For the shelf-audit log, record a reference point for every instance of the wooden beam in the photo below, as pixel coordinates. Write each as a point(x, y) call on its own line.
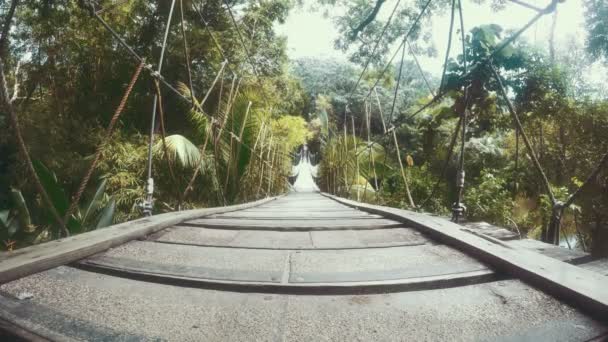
point(579, 287)
point(33, 259)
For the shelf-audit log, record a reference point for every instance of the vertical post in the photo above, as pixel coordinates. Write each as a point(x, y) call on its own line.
point(149, 200)
point(403, 175)
point(458, 208)
point(352, 119)
point(345, 155)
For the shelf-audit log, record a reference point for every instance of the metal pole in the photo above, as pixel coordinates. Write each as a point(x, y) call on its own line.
point(149, 200)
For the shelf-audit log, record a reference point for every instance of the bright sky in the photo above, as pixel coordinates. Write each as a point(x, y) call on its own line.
point(310, 34)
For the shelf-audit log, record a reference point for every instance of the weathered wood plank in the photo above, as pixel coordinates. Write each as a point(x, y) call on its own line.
point(304, 215)
point(600, 266)
point(491, 230)
point(573, 256)
point(29, 260)
point(580, 287)
point(288, 224)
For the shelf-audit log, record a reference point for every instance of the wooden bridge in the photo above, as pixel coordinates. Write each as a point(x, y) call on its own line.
point(304, 266)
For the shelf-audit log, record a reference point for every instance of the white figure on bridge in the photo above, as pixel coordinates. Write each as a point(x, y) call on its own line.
point(305, 173)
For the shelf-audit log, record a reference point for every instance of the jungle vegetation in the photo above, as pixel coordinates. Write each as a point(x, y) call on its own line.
point(67, 75)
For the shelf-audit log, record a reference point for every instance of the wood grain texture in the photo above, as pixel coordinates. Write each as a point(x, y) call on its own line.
point(29, 260)
point(580, 287)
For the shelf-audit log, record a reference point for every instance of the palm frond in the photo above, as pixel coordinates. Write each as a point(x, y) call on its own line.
point(180, 150)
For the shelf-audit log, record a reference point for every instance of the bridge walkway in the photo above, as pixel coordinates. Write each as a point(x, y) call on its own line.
point(299, 267)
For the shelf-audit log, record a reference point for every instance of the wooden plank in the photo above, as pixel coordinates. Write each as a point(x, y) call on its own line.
point(29, 260)
point(287, 224)
point(291, 240)
point(491, 230)
point(280, 215)
point(574, 257)
point(600, 266)
point(580, 287)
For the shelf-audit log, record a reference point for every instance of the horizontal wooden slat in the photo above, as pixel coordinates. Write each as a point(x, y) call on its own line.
point(287, 224)
point(580, 287)
point(25, 261)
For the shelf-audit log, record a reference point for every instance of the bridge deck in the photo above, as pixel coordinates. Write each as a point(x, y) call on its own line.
point(301, 267)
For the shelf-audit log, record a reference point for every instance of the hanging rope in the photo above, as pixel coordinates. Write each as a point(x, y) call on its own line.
point(7, 103)
point(426, 81)
point(238, 152)
point(370, 148)
point(198, 166)
point(373, 53)
point(380, 111)
point(402, 169)
point(163, 135)
point(356, 178)
point(458, 208)
point(242, 41)
point(445, 163)
point(550, 8)
point(102, 144)
point(148, 202)
point(407, 35)
point(390, 117)
point(447, 52)
point(552, 234)
point(186, 54)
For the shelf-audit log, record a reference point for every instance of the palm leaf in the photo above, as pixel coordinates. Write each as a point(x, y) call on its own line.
point(95, 202)
point(180, 150)
point(107, 214)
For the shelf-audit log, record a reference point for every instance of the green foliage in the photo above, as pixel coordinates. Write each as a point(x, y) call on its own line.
point(490, 200)
point(597, 27)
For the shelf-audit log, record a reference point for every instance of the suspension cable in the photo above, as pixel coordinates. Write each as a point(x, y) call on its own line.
point(5, 99)
point(377, 43)
point(102, 144)
point(390, 117)
point(447, 52)
point(186, 54)
point(238, 31)
point(426, 81)
point(459, 209)
point(484, 62)
point(148, 201)
point(407, 35)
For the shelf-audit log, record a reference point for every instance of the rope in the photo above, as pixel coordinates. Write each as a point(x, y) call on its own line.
point(111, 7)
point(447, 52)
point(356, 178)
point(388, 21)
point(390, 117)
point(519, 126)
point(100, 147)
point(407, 186)
point(497, 50)
point(369, 146)
point(458, 209)
point(242, 41)
point(147, 205)
point(198, 167)
point(426, 81)
point(445, 163)
point(186, 54)
point(5, 100)
point(6, 28)
point(409, 32)
point(588, 181)
point(527, 5)
point(163, 134)
point(8, 105)
point(380, 110)
point(240, 137)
